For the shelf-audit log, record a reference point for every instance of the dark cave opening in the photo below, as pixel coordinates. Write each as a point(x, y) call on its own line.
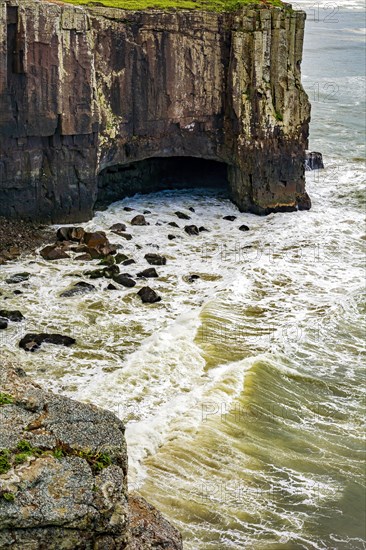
point(156, 174)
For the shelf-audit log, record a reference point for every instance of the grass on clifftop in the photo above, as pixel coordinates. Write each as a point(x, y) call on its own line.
point(205, 5)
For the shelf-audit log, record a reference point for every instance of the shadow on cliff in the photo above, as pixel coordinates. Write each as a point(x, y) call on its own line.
point(157, 174)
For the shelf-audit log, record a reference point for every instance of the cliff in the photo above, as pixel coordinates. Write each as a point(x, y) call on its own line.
point(88, 93)
point(63, 476)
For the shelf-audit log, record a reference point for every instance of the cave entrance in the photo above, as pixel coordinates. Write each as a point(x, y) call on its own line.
point(156, 174)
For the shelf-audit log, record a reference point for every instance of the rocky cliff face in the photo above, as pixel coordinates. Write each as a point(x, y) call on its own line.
point(63, 476)
point(85, 94)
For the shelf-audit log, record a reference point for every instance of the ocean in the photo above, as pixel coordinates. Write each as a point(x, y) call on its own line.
point(243, 391)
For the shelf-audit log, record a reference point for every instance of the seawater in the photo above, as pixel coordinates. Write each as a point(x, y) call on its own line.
point(243, 392)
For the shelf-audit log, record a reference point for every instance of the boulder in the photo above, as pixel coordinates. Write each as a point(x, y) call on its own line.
point(97, 239)
point(111, 287)
point(173, 224)
point(139, 220)
point(3, 324)
point(119, 258)
point(70, 234)
point(191, 278)
point(78, 288)
point(155, 259)
point(31, 342)
point(126, 236)
point(129, 262)
point(148, 295)
point(243, 228)
point(229, 218)
point(83, 258)
point(202, 229)
point(53, 252)
point(172, 237)
point(148, 273)
point(147, 212)
point(123, 280)
point(304, 202)
point(12, 315)
point(17, 278)
point(191, 230)
point(118, 227)
point(182, 216)
point(191, 209)
point(128, 209)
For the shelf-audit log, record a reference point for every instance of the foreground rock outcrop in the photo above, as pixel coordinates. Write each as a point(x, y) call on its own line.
point(63, 476)
point(98, 103)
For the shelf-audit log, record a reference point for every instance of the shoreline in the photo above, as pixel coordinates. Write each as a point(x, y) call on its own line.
point(19, 237)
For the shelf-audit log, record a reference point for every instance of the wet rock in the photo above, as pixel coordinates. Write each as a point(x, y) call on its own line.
point(126, 236)
point(202, 229)
point(108, 272)
point(191, 278)
point(173, 224)
point(118, 228)
point(182, 216)
point(83, 258)
point(12, 315)
point(18, 278)
point(313, 161)
point(149, 529)
point(70, 234)
point(78, 288)
point(17, 292)
point(172, 237)
point(119, 258)
point(124, 281)
point(147, 212)
point(111, 287)
point(97, 239)
point(148, 273)
point(108, 260)
point(191, 209)
point(53, 252)
point(229, 218)
point(139, 220)
point(128, 209)
point(3, 324)
point(155, 259)
point(148, 295)
point(31, 342)
point(304, 202)
point(79, 248)
point(191, 230)
point(243, 228)
point(129, 262)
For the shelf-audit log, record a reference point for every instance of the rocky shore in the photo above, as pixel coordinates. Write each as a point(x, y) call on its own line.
point(63, 476)
point(19, 236)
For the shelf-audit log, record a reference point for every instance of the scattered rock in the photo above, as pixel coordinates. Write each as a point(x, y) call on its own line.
point(139, 220)
point(173, 224)
point(15, 316)
point(83, 258)
point(97, 239)
point(17, 292)
point(229, 218)
point(129, 262)
point(182, 216)
point(202, 229)
point(70, 234)
point(148, 273)
point(118, 228)
point(126, 236)
point(18, 278)
point(108, 272)
point(191, 209)
point(53, 252)
point(119, 258)
point(191, 278)
point(108, 260)
point(124, 281)
point(172, 237)
point(3, 324)
point(128, 209)
point(78, 288)
point(243, 228)
point(31, 342)
point(147, 212)
point(148, 295)
point(155, 259)
point(111, 287)
point(191, 230)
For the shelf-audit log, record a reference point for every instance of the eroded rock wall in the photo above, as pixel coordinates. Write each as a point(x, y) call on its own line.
point(82, 90)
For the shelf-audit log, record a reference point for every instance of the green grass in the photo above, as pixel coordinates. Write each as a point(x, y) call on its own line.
point(205, 5)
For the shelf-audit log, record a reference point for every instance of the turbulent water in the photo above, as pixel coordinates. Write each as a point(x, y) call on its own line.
point(243, 390)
